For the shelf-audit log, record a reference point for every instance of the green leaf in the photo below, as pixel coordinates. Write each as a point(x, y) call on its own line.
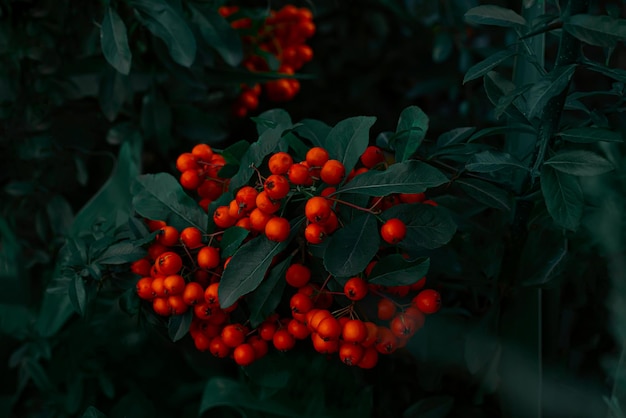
point(427, 227)
point(563, 196)
point(348, 139)
point(514, 96)
point(406, 177)
point(231, 240)
point(168, 23)
point(120, 253)
point(604, 31)
point(114, 41)
point(496, 86)
point(486, 193)
point(352, 247)
point(178, 325)
point(433, 407)
point(113, 91)
point(454, 136)
point(268, 295)
point(394, 270)
point(78, 294)
point(547, 88)
point(277, 122)
point(590, 135)
point(499, 130)
point(218, 33)
point(483, 67)
point(313, 130)
point(442, 47)
point(223, 391)
point(93, 412)
point(494, 16)
point(156, 120)
point(410, 132)
point(580, 163)
point(161, 197)
point(249, 265)
point(489, 161)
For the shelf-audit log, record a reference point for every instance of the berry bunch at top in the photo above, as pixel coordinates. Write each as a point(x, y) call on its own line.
point(277, 44)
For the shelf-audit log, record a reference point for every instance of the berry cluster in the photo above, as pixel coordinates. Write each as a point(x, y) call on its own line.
point(183, 269)
point(281, 36)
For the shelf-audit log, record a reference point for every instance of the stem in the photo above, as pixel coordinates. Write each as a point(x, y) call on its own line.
point(352, 205)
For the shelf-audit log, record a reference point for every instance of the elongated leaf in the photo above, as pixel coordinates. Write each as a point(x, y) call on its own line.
point(231, 240)
point(348, 139)
point(543, 257)
point(405, 177)
point(275, 124)
point(267, 296)
point(161, 197)
point(167, 23)
point(178, 325)
point(114, 41)
point(410, 132)
point(352, 247)
point(590, 135)
point(113, 91)
point(313, 130)
point(489, 161)
point(249, 265)
point(93, 412)
point(223, 391)
point(486, 193)
point(499, 130)
point(495, 16)
point(156, 120)
point(78, 294)
point(428, 227)
point(496, 86)
point(394, 270)
point(120, 253)
point(483, 67)
point(580, 163)
point(454, 136)
point(508, 99)
point(218, 33)
point(603, 31)
point(547, 88)
point(433, 407)
point(563, 196)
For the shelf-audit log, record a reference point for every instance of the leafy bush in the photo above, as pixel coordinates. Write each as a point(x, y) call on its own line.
point(510, 119)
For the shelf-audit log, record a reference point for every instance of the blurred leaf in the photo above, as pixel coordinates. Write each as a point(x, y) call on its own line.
point(604, 31)
point(223, 391)
point(313, 130)
point(352, 247)
point(563, 196)
point(433, 407)
point(120, 253)
point(129, 302)
point(274, 371)
point(113, 91)
point(197, 125)
point(580, 163)
point(543, 257)
point(267, 296)
point(486, 193)
point(93, 412)
point(495, 16)
point(36, 373)
point(348, 139)
point(167, 23)
point(483, 67)
point(428, 226)
point(481, 341)
point(614, 73)
point(394, 270)
point(499, 130)
point(114, 41)
point(547, 88)
point(490, 161)
point(78, 294)
point(161, 197)
point(114, 196)
point(249, 265)
point(406, 177)
point(277, 122)
point(178, 325)
point(231, 240)
point(410, 132)
point(156, 120)
point(218, 33)
point(442, 47)
point(590, 135)
point(454, 136)
point(15, 319)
